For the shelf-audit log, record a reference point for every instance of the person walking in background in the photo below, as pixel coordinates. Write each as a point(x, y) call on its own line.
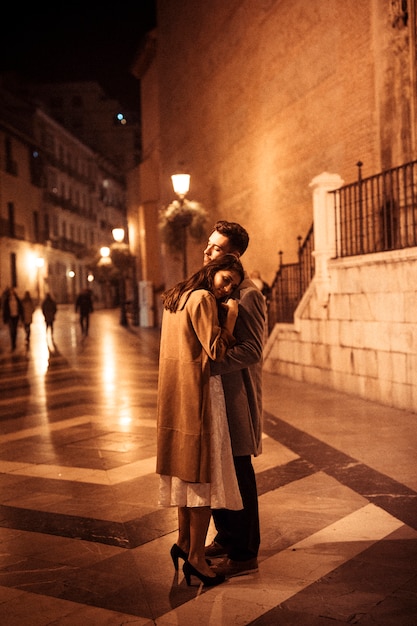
point(49, 309)
point(257, 279)
point(27, 316)
point(84, 304)
point(238, 532)
point(12, 313)
point(194, 456)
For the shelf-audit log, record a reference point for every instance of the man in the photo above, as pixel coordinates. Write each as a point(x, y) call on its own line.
point(12, 313)
point(84, 305)
point(238, 533)
point(49, 309)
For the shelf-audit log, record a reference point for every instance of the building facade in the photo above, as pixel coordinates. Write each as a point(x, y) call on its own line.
point(59, 201)
point(255, 98)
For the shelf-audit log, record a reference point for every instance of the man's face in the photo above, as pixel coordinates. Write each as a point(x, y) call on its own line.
point(217, 246)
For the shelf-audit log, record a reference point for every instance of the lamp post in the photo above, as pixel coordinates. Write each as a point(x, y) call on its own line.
point(118, 236)
point(71, 276)
point(105, 262)
point(181, 186)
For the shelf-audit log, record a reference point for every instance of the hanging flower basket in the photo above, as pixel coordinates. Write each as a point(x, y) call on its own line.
point(177, 216)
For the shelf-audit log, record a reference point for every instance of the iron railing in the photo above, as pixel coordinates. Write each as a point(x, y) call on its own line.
point(290, 283)
point(374, 214)
point(378, 213)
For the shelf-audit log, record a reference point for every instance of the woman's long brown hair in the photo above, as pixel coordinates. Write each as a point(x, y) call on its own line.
point(202, 279)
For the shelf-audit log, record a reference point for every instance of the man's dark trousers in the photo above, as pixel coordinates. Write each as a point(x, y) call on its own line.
point(238, 531)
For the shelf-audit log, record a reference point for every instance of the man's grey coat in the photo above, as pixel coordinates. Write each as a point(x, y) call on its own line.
point(241, 372)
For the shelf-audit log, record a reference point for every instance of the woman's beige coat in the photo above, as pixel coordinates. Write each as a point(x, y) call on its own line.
point(189, 339)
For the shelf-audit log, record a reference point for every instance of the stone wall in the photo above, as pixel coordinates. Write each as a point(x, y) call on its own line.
point(355, 328)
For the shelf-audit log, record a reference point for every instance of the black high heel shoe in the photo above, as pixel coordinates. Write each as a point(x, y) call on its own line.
point(208, 581)
point(177, 553)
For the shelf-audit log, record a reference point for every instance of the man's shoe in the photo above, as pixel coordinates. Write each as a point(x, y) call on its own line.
point(230, 568)
point(215, 550)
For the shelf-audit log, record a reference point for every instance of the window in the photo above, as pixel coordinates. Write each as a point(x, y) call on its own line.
point(11, 219)
point(35, 167)
point(11, 166)
point(55, 226)
point(36, 225)
point(13, 269)
point(46, 226)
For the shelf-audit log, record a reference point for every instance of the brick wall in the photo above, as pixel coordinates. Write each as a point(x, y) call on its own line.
point(257, 96)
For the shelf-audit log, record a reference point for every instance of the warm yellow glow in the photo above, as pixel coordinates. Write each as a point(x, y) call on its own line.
point(181, 184)
point(105, 251)
point(133, 235)
point(125, 420)
point(40, 262)
point(90, 278)
point(40, 359)
point(118, 234)
point(71, 273)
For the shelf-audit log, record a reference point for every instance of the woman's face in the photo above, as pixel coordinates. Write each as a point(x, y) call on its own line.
point(225, 282)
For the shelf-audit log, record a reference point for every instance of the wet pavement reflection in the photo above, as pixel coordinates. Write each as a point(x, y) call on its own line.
point(83, 540)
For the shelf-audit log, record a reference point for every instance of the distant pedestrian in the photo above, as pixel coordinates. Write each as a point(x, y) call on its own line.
point(12, 313)
point(49, 309)
point(84, 304)
point(263, 286)
point(28, 310)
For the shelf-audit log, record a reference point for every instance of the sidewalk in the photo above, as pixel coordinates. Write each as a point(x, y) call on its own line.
point(84, 542)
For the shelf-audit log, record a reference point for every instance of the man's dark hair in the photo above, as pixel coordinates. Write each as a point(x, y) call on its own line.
point(238, 237)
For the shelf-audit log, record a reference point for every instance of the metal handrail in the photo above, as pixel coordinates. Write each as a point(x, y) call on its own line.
point(373, 214)
point(290, 283)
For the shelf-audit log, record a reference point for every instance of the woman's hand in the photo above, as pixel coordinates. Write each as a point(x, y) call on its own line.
point(232, 308)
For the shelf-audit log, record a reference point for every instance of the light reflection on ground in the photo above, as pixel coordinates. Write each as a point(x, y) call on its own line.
point(96, 368)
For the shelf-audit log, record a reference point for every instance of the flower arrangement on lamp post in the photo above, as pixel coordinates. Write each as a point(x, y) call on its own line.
point(178, 220)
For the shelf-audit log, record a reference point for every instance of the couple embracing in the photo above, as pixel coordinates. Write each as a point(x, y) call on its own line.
point(210, 410)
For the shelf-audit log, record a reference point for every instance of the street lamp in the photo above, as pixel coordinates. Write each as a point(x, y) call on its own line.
point(105, 255)
point(125, 263)
point(181, 186)
point(118, 236)
point(71, 275)
point(105, 263)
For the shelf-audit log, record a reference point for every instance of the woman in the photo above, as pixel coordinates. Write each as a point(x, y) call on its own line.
point(193, 444)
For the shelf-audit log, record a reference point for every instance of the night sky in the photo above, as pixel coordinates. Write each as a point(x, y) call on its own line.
point(77, 41)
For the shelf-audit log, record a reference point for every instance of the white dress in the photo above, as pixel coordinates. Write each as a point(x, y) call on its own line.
point(223, 491)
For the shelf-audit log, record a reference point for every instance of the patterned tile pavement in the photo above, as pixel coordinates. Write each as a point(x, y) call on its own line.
point(82, 540)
